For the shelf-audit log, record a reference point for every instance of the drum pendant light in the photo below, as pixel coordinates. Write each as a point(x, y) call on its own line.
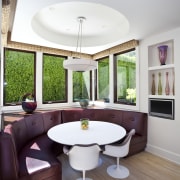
point(77, 63)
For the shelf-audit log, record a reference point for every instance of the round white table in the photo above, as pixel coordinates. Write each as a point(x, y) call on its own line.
point(98, 132)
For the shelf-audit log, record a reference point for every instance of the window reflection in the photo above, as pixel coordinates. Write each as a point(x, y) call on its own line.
point(82, 85)
point(125, 78)
point(103, 80)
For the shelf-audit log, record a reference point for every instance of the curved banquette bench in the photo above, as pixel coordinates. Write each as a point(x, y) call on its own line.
point(27, 153)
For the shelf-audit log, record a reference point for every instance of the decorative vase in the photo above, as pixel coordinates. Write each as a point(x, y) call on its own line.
point(162, 54)
point(173, 88)
point(159, 85)
point(153, 88)
point(84, 103)
point(29, 104)
point(84, 123)
point(167, 88)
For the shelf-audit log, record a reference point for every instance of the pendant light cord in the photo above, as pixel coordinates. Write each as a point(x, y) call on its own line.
point(79, 39)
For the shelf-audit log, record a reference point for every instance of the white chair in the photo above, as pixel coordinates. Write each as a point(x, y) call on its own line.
point(84, 158)
point(119, 151)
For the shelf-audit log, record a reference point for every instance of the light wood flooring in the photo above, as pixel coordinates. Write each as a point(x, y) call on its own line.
point(142, 166)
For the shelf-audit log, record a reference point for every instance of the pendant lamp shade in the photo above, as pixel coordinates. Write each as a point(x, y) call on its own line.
point(80, 64)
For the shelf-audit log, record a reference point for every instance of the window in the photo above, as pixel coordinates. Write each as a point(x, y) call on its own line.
point(102, 92)
point(82, 85)
point(125, 78)
point(19, 75)
point(54, 79)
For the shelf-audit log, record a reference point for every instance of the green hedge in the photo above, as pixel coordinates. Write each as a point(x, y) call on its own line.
point(18, 75)
point(54, 78)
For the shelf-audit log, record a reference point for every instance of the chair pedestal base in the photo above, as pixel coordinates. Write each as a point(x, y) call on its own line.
point(84, 179)
point(118, 172)
point(100, 162)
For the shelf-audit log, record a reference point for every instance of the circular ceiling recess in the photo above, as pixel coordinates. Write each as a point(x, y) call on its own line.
point(58, 24)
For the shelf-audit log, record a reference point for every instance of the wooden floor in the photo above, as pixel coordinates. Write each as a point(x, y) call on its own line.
point(142, 166)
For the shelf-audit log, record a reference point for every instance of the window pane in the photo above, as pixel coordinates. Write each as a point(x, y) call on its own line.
point(54, 79)
point(103, 79)
point(19, 75)
point(81, 85)
point(125, 78)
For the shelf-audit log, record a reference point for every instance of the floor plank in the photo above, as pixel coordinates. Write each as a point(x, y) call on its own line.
point(142, 166)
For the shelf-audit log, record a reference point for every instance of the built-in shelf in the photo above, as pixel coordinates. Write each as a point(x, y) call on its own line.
point(161, 73)
point(168, 66)
point(162, 96)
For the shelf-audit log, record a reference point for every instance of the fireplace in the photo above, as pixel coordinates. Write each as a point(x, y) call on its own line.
point(163, 108)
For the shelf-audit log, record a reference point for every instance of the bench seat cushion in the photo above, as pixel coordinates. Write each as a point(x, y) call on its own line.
point(51, 173)
point(39, 154)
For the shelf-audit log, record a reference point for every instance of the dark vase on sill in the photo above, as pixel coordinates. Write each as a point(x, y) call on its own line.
point(84, 103)
point(29, 104)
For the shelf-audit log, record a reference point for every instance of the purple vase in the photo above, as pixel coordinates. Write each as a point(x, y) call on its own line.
point(29, 107)
point(162, 54)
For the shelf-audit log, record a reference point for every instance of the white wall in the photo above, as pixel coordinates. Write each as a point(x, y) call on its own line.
point(163, 134)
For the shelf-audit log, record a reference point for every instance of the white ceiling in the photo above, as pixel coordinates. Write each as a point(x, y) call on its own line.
point(53, 23)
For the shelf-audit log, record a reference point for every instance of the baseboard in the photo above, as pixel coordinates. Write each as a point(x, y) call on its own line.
point(171, 156)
